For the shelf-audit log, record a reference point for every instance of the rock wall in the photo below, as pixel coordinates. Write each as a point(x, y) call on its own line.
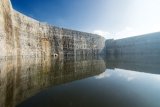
point(81, 43)
point(35, 39)
point(21, 36)
point(140, 45)
point(7, 45)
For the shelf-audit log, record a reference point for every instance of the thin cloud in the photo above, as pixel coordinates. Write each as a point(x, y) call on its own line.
point(102, 33)
point(127, 32)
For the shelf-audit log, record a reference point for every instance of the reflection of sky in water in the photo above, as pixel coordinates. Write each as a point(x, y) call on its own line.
point(129, 75)
point(145, 85)
point(92, 85)
point(112, 88)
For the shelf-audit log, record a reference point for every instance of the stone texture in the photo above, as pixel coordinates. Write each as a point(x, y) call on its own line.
point(147, 44)
point(22, 36)
point(6, 30)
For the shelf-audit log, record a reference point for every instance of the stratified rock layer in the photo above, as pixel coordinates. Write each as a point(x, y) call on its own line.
point(21, 36)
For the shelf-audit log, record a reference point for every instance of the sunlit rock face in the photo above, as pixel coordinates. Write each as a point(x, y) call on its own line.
point(6, 29)
point(25, 37)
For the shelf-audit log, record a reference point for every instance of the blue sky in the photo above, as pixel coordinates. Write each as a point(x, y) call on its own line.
point(110, 18)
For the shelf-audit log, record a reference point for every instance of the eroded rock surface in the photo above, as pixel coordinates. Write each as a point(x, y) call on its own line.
point(22, 36)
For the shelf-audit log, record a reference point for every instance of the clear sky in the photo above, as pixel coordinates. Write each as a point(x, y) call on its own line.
point(110, 18)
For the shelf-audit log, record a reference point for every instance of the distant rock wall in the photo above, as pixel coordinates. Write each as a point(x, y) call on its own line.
point(81, 43)
point(147, 44)
point(22, 36)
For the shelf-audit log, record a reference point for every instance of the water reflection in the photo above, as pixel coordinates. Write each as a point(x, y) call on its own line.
point(141, 63)
point(112, 88)
point(115, 81)
point(23, 78)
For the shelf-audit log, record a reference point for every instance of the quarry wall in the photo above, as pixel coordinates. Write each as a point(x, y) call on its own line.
point(22, 36)
point(147, 45)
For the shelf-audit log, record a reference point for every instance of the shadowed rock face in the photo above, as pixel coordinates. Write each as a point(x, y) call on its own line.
point(147, 44)
point(23, 78)
point(22, 36)
point(139, 53)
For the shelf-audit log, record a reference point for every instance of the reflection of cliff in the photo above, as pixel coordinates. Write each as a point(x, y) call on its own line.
point(140, 53)
point(22, 78)
point(141, 63)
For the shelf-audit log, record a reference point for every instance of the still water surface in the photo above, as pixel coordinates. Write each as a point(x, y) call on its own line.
point(81, 82)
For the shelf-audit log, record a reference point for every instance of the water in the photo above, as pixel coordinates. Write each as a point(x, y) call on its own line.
point(121, 81)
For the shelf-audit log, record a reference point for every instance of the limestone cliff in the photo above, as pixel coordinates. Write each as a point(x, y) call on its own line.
point(23, 36)
point(147, 44)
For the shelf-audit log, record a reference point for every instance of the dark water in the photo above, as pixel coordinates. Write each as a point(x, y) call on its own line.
point(121, 81)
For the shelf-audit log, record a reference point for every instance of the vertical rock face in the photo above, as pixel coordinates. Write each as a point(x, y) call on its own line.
point(144, 45)
point(81, 43)
point(22, 36)
point(6, 30)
